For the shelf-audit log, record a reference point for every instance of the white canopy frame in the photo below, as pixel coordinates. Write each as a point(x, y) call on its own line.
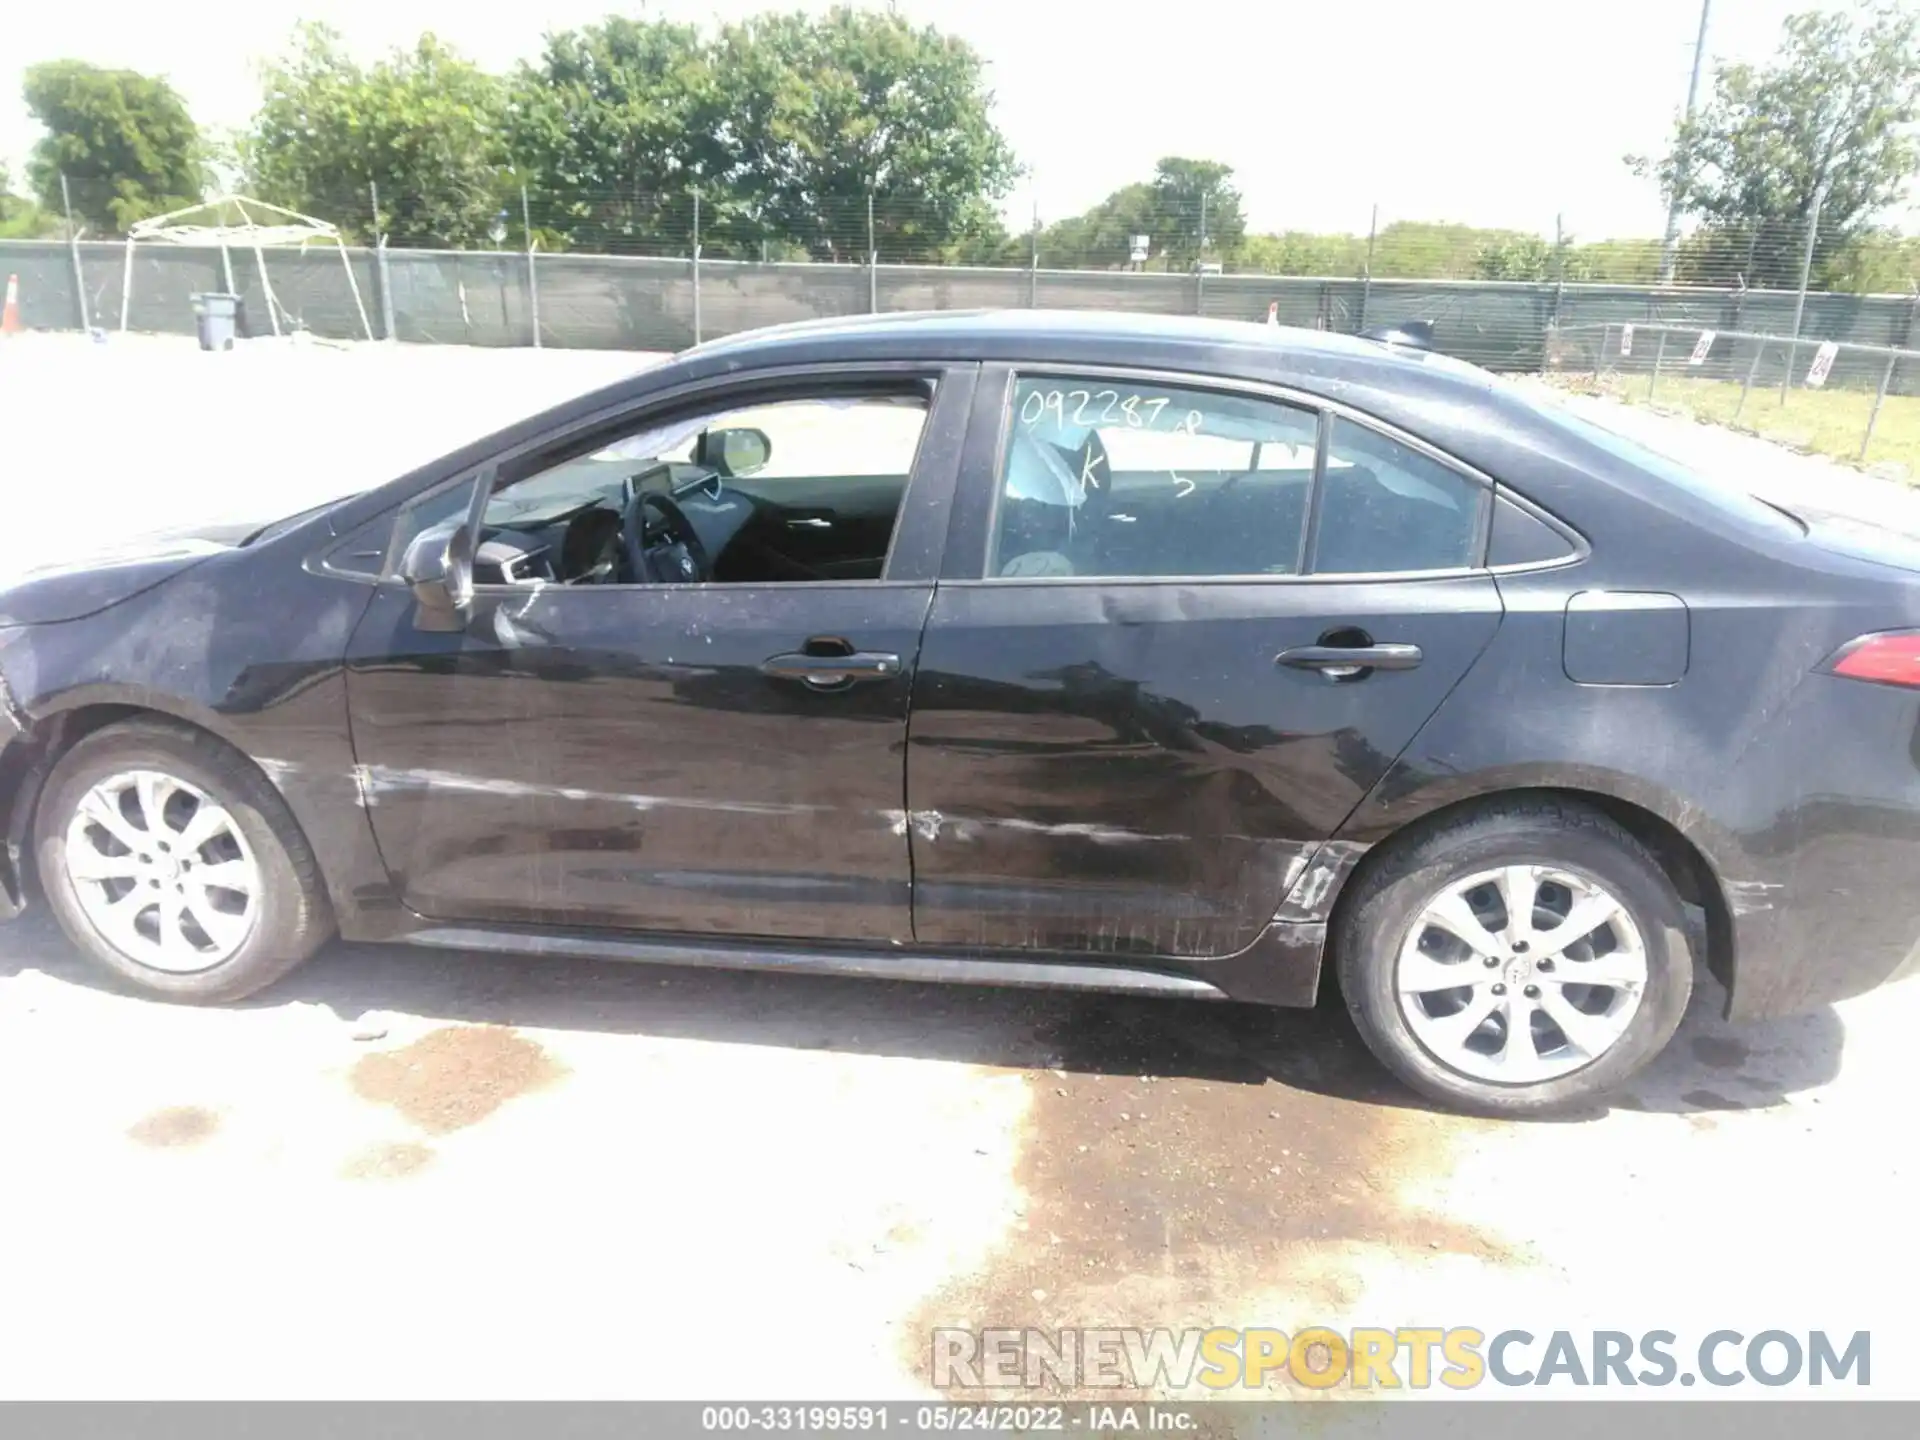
point(258, 225)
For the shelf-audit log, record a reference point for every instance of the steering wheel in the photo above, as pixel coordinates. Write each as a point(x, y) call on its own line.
point(677, 556)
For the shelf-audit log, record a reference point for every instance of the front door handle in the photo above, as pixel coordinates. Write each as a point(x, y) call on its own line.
point(826, 671)
point(1349, 662)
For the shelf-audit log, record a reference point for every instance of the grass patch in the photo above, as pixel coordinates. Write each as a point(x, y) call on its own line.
point(1826, 422)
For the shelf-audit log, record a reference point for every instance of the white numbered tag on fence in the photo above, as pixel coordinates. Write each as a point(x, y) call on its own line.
point(1701, 347)
point(1626, 339)
point(1823, 359)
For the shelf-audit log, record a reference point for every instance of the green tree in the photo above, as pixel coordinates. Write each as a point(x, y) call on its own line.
point(20, 217)
point(1529, 257)
point(1833, 115)
point(786, 124)
point(1298, 252)
point(1198, 210)
point(988, 241)
point(1875, 262)
point(613, 127)
point(1620, 262)
point(1101, 238)
point(423, 124)
point(125, 142)
point(1429, 250)
point(822, 113)
point(1168, 210)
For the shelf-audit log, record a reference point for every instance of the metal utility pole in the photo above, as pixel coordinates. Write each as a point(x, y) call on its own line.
point(533, 278)
point(1672, 237)
point(73, 255)
point(1366, 274)
point(1806, 274)
point(1033, 258)
point(1200, 263)
point(382, 275)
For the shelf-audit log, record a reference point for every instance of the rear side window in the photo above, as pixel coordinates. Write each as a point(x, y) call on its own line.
point(1119, 479)
point(1116, 478)
point(1387, 508)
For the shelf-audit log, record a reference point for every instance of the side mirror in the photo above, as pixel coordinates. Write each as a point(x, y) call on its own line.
point(734, 453)
point(438, 568)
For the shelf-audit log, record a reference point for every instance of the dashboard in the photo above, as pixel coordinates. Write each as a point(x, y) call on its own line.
point(537, 541)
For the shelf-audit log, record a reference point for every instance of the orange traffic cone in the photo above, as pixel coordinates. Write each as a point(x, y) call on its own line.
point(10, 317)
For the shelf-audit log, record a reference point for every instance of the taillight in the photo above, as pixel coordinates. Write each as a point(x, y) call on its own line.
point(1890, 658)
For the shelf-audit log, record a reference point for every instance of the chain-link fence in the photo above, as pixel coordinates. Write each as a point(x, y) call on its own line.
point(574, 299)
point(1768, 382)
point(1144, 229)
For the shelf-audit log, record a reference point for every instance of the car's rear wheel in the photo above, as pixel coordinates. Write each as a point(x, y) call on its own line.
point(168, 858)
point(1521, 958)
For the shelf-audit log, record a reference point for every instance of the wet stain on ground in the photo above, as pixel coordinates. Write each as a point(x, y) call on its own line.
point(1181, 1155)
point(455, 1076)
point(1722, 1052)
point(1705, 1099)
point(387, 1162)
point(174, 1128)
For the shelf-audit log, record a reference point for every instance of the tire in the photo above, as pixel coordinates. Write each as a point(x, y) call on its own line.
point(253, 879)
point(1390, 940)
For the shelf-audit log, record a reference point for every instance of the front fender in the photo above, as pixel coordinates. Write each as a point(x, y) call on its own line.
point(73, 592)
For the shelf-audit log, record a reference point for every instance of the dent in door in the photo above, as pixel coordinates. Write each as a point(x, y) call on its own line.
point(1126, 770)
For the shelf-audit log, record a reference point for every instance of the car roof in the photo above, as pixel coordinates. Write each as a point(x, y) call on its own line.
point(1024, 334)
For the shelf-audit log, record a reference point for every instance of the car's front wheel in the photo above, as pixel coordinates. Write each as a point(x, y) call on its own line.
point(1517, 959)
point(171, 860)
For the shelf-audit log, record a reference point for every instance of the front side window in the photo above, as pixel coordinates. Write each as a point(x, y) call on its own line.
point(1118, 478)
point(802, 489)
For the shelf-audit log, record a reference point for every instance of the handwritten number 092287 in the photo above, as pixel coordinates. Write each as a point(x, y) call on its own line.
point(1102, 408)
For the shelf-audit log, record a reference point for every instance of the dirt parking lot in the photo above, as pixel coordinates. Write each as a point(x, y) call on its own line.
point(406, 1173)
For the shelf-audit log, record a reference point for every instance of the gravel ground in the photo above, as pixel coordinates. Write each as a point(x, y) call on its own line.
point(411, 1174)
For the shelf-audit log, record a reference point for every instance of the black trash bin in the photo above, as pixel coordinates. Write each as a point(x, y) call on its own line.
point(216, 317)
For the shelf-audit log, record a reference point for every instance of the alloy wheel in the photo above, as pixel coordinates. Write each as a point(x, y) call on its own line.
point(1521, 974)
point(162, 871)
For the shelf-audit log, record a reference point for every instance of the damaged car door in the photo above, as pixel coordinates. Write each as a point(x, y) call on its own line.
point(671, 694)
point(1183, 629)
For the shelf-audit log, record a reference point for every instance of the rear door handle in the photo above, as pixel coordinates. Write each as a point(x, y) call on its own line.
point(825, 671)
point(1346, 662)
point(809, 522)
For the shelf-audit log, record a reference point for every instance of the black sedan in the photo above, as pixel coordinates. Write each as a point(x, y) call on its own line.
point(1186, 658)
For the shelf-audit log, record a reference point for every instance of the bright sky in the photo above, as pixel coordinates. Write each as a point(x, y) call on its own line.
point(1492, 112)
